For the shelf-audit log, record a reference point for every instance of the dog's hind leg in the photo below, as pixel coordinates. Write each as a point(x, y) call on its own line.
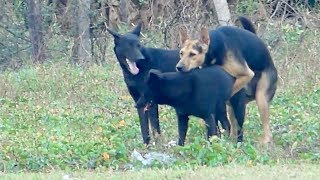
point(237, 112)
point(182, 127)
point(233, 123)
point(263, 106)
point(240, 113)
point(222, 117)
point(154, 120)
point(211, 124)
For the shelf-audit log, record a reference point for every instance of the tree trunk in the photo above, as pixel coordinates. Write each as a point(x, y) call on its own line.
point(35, 30)
point(223, 12)
point(82, 44)
point(123, 11)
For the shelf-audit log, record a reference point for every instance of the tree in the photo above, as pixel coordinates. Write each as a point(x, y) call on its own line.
point(223, 12)
point(35, 29)
point(82, 44)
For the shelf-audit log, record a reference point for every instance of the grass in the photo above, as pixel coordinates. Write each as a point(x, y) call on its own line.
point(303, 171)
point(57, 117)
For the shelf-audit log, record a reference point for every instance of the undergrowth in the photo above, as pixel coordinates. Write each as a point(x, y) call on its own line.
point(57, 116)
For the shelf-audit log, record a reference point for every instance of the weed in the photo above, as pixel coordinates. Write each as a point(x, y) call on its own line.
point(58, 116)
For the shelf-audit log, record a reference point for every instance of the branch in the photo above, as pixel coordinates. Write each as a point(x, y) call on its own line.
point(9, 31)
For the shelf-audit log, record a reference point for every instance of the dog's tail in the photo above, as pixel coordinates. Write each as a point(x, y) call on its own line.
point(245, 23)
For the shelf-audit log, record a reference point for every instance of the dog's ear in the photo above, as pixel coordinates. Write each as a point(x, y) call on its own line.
point(204, 35)
point(113, 33)
point(137, 29)
point(183, 33)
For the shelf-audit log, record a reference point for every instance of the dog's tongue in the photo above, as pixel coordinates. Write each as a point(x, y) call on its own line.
point(132, 67)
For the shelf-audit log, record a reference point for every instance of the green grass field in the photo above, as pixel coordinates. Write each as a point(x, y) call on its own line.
point(299, 172)
point(59, 118)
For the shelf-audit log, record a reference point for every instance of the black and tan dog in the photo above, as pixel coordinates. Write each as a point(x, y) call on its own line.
point(243, 55)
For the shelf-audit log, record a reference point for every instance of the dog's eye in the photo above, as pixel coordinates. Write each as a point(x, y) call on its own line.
point(181, 53)
point(192, 54)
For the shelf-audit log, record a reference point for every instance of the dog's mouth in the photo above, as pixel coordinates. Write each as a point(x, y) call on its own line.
point(132, 67)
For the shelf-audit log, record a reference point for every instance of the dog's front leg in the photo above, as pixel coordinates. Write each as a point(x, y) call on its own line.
point(144, 125)
point(154, 120)
point(143, 116)
point(240, 71)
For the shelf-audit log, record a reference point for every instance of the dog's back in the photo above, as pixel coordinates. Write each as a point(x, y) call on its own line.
point(213, 77)
point(161, 59)
point(211, 84)
point(197, 92)
point(242, 43)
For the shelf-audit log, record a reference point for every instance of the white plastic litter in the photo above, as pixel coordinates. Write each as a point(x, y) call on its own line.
point(172, 143)
point(149, 158)
point(67, 177)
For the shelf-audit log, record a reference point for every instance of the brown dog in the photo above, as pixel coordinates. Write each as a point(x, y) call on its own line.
point(244, 56)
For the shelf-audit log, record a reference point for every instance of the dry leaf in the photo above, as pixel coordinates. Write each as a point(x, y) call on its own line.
point(106, 156)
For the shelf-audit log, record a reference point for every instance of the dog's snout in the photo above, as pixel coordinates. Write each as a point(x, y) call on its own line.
point(179, 68)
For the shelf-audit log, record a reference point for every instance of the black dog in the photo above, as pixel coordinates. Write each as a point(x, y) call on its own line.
point(136, 61)
point(201, 92)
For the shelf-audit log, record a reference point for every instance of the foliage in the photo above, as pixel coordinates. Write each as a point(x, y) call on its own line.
point(247, 7)
point(57, 116)
point(292, 34)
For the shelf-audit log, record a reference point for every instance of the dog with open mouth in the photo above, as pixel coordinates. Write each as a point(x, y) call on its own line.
point(127, 49)
point(136, 61)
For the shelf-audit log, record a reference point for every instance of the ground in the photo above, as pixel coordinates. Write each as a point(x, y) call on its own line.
point(283, 172)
